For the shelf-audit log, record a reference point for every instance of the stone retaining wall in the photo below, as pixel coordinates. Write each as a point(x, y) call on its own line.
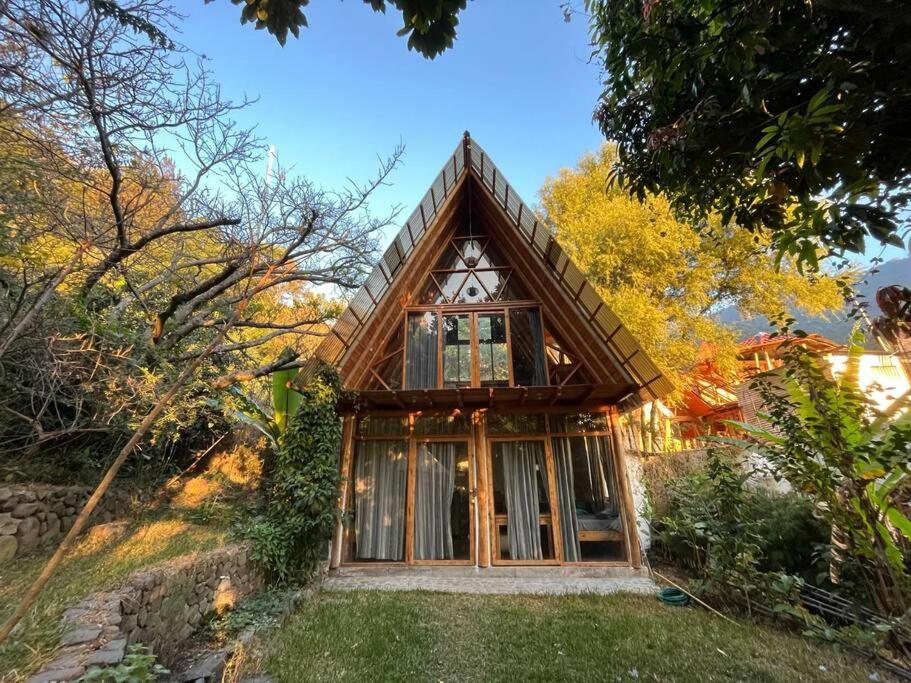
point(32, 514)
point(159, 607)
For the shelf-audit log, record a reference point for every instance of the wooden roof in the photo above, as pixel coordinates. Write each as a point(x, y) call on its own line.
point(362, 329)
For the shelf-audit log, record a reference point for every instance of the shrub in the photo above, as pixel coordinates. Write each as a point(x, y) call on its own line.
point(290, 536)
point(722, 529)
point(707, 526)
point(793, 539)
point(138, 666)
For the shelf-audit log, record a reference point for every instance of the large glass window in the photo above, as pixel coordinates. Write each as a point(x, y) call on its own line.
point(590, 515)
point(442, 501)
point(456, 351)
point(510, 351)
point(528, 365)
point(380, 485)
point(421, 350)
point(492, 352)
point(523, 525)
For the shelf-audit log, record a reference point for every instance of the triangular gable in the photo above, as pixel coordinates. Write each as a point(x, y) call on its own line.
point(470, 162)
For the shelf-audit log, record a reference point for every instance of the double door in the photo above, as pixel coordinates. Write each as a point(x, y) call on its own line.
point(413, 501)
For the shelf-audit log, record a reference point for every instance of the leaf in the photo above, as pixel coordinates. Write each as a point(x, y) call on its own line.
point(765, 139)
point(755, 431)
point(899, 521)
point(285, 400)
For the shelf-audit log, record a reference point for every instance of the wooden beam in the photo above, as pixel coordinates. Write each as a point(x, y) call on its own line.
point(345, 460)
point(482, 488)
point(623, 483)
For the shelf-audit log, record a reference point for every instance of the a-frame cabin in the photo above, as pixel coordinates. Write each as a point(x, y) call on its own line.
point(486, 377)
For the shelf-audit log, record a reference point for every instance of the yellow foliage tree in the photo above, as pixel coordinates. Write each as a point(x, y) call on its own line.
point(665, 279)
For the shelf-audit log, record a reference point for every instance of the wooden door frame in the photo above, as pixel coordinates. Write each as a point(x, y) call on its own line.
point(342, 542)
point(557, 540)
point(413, 442)
point(483, 543)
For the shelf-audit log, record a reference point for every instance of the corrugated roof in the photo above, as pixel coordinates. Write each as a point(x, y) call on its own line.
point(625, 349)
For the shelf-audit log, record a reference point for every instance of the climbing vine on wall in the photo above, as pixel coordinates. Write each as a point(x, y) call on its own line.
point(291, 533)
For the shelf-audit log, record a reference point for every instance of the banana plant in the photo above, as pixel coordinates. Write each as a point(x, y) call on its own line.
point(285, 403)
point(830, 442)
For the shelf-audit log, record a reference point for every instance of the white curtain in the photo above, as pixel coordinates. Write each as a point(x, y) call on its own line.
point(601, 473)
point(434, 488)
point(421, 352)
point(380, 481)
point(520, 462)
point(566, 499)
point(593, 467)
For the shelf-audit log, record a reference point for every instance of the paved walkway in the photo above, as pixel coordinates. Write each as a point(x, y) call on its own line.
point(498, 585)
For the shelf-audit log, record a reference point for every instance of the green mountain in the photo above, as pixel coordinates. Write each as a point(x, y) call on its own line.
point(837, 327)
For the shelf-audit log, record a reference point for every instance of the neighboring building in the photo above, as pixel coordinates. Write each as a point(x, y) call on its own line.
point(882, 376)
point(486, 380)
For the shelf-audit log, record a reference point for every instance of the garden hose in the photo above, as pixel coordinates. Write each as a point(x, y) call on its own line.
point(673, 596)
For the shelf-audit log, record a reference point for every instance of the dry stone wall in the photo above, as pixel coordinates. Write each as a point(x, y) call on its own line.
point(33, 514)
point(159, 607)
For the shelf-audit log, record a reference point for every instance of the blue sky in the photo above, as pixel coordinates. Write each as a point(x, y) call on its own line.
point(348, 89)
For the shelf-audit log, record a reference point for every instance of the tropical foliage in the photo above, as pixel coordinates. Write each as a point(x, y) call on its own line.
point(663, 277)
point(784, 116)
point(722, 528)
point(285, 404)
point(852, 461)
point(290, 534)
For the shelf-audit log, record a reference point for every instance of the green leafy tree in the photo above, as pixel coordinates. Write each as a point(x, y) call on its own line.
point(829, 442)
point(429, 24)
point(784, 116)
point(663, 277)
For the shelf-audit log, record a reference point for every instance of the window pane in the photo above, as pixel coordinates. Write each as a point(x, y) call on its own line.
point(380, 484)
point(528, 367)
point(442, 505)
point(428, 425)
point(421, 351)
point(493, 357)
point(522, 515)
point(456, 351)
point(382, 426)
point(390, 372)
point(578, 423)
point(515, 423)
point(590, 514)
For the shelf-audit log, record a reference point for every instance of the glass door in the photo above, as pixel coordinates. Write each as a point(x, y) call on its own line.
point(523, 519)
point(442, 516)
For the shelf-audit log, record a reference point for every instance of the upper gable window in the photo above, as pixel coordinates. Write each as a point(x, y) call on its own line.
point(470, 271)
point(475, 349)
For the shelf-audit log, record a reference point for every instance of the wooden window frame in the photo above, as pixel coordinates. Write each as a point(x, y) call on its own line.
point(482, 545)
point(473, 310)
point(624, 499)
point(411, 439)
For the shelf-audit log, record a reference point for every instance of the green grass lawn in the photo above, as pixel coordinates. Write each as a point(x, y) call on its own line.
point(94, 564)
point(372, 636)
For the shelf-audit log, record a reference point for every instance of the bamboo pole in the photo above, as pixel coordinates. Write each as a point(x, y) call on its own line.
point(704, 604)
